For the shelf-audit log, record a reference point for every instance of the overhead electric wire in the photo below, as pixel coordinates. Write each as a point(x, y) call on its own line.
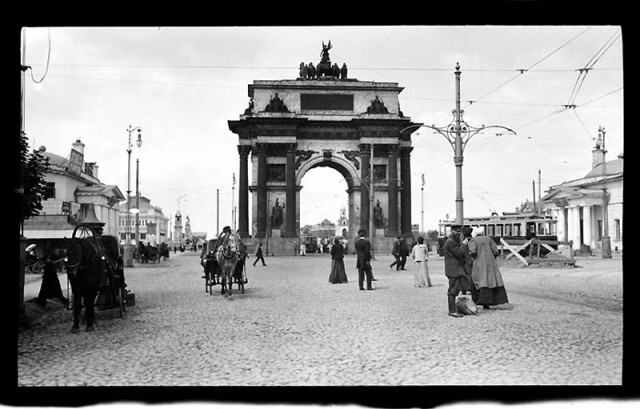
point(531, 66)
point(589, 66)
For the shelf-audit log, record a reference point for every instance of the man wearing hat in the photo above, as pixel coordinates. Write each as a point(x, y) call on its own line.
point(454, 268)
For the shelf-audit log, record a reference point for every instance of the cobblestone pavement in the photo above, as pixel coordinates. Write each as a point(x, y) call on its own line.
point(292, 327)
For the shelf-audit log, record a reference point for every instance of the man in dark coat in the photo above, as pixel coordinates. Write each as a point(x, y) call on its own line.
point(259, 256)
point(363, 252)
point(395, 252)
point(454, 268)
point(404, 252)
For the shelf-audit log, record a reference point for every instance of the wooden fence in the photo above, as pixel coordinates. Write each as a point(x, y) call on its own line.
point(535, 245)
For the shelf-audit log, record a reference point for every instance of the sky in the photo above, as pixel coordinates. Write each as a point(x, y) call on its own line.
point(554, 85)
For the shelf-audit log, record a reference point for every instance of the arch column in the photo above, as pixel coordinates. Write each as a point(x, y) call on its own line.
point(393, 191)
point(575, 227)
point(261, 207)
point(290, 223)
point(587, 226)
point(365, 157)
point(243, 192)
point(405, 177)
point(561, 231)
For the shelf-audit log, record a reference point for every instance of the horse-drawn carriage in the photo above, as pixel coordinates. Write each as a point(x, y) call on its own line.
point(223, 261)
point(96, 274)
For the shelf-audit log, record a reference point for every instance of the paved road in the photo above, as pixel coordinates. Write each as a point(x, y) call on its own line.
point(292, 328)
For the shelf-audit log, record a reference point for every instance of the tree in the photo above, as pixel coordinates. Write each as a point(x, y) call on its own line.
point(33, 168)
point(432, 235)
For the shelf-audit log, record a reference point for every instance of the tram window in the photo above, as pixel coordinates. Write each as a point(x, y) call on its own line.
point(498, 230)
point(491, 230)
point(507, 230)
point(516, 230)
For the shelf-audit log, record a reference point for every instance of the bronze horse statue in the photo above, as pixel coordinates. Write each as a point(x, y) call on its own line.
point(86, 267)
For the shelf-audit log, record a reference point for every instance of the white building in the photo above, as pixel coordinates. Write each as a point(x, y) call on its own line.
point(578, 204)
point(153, 225)
point(71, 186)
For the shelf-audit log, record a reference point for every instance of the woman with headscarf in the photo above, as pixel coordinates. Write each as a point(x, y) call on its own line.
point(485, 273)
point(338, 273)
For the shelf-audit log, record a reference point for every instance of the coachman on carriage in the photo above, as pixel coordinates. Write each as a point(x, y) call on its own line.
point(223, 261)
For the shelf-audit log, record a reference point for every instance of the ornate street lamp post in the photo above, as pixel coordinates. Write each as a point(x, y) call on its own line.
point(128, 249)
point(458, 133)
point(139, 144)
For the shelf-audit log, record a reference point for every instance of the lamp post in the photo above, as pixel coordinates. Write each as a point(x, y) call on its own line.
point(606, 240)
point(128, 250)
point(458, 133)
point(233, 203)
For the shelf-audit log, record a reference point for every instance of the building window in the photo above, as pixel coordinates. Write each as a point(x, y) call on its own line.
point(618, 235)
point(50, 190)
point(143, 236)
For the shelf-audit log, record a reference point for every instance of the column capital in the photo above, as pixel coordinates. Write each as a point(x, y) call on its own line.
point(291, 148)
point(261, 148)
point(392, 150)
point(405, 151)
point(244, 150)
point(365, 149)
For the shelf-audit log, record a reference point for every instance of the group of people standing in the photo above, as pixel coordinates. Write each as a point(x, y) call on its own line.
point(470, 265)
point(363, 263)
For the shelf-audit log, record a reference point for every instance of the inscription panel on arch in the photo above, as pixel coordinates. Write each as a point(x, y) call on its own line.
point(326, 102)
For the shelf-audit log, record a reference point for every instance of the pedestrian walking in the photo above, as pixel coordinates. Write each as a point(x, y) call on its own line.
point(259, 256)
point(363, 252)
point(486, 274)
point(454, 268)
point(420, 256)
point(338, 273)
point(395, 252)
point(404, 253)
point(303, 249)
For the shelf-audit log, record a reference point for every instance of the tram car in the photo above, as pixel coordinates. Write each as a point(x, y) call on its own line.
point(516, 226)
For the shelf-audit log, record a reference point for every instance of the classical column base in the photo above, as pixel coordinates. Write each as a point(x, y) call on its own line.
point(289, 235)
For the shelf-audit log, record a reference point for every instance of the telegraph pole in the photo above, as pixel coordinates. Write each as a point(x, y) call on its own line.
point(233, 203)
point(217, 211)
point(422, 205)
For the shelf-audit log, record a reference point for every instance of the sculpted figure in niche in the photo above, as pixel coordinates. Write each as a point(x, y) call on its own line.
point(276, 214)
point(378, 219)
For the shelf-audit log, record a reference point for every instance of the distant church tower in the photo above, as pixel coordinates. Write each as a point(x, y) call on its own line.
point(187, 230)
point(342, 227)
point(177, 228)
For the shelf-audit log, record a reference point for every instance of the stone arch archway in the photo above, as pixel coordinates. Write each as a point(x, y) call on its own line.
point(323, 123)
point(350, 174)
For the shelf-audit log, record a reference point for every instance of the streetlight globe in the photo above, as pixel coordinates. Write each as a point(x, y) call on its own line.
point(139, 141)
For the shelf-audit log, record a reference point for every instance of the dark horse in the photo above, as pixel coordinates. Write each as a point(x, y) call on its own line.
point(86, 267)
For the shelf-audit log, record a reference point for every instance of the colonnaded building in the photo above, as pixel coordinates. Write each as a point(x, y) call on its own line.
point(323, 119)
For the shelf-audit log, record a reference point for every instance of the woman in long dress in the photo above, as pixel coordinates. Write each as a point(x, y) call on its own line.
point(420, 255)
point(485, 272)
point(338, 273)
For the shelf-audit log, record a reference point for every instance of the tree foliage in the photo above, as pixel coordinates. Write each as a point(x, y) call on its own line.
point(33, 168)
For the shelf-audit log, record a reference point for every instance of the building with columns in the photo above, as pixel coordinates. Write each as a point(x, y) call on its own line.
point(578, 204)
point(352, 126)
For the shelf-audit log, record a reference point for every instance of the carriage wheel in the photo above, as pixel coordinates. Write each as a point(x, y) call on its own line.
point(121, 301)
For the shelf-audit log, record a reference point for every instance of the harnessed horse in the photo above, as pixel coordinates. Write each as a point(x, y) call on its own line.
point(86, 267)
point(229, 252)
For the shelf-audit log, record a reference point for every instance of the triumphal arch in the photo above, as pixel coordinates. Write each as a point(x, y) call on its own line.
point(323, 118)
